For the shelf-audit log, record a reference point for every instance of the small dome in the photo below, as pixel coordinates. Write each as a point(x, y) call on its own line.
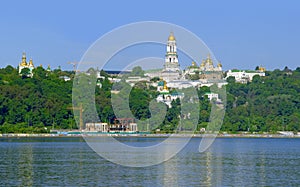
point(171, 37)
point(48, 68)
point(165, 85)
point(23, 63)
point(30, 62)
point(203, 63)
point(209, 60)
point(262, 69)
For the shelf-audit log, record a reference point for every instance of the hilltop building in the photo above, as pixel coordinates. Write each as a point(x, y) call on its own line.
point(24, 64)
point(165, 95)
point(213, 96)
point(208, 65)
point(48, 68)
point(193, 76)
point(206, 70)
point(209, 71)
point(171, 69)
point(244, 76)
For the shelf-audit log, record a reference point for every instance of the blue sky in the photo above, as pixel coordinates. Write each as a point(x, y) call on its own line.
point(242, 34)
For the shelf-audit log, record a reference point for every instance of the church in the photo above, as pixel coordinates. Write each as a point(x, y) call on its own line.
point(193, 75)
point(24, 64)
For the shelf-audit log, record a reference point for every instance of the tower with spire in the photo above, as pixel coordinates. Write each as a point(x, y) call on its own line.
point(171, 57)
point(171, 70)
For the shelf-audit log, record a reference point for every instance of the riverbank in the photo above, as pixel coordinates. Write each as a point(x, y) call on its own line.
point(151, 135)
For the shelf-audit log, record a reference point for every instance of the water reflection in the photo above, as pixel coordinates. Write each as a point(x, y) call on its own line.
point(25, 168)
point(170, 172)
point(229, 162)
point(262, 163)
point(208, 156)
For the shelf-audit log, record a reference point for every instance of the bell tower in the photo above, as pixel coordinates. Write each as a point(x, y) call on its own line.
point(171, 57)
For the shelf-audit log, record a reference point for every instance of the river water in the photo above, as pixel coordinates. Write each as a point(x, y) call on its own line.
point(228, 162)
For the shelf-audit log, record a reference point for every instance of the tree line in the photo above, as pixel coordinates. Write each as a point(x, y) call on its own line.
point(41, 103)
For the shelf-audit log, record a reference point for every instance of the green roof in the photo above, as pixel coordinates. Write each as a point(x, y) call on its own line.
point(250, 71)
point(247, 71)
point(152, 70)
point(160, 83)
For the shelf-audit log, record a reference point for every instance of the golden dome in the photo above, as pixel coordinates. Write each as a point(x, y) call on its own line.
point(203, 63)
point(262, 69)
point(171, 37)
point(30, 62)
point(194, 63)
point(209, 60)
point(219, 65)
point(165, 85)
point(23, 63)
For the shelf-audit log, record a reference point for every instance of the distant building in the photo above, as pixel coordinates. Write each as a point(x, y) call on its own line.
point(48, 68)
point(99, 127)
point(171, 69)
point(209, 71)
point(207, 65)
point(180, 84)
point(244, 76)
point(165, 96)
point(212, 96)
point(125, 125)
point(193, 76)
point(65, 78)
point(135, 79)
point(24, 64)
point(206, 70)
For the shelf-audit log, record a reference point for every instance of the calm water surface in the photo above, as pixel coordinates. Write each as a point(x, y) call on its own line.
point(229, 162)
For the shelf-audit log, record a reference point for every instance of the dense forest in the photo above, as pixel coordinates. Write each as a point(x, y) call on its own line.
point(38, 104)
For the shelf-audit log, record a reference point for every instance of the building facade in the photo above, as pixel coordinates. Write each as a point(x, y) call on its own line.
point(244, 76)
point(171, 70)
point(24, 64)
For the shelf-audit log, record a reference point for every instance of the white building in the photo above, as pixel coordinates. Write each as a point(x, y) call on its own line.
point(165, 96)
point(212, 96)
point(99, 127)
point(134, 79)
point(171, 58)
point(208, 65)
point(180, 84)
point(24, 64)
point(168, 98)
point(133, 127)
point(65, 78)
point(171, 70)
point(244, 76)
point(207, 73)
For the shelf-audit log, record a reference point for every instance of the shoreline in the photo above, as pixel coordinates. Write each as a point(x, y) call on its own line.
point(48, 135)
